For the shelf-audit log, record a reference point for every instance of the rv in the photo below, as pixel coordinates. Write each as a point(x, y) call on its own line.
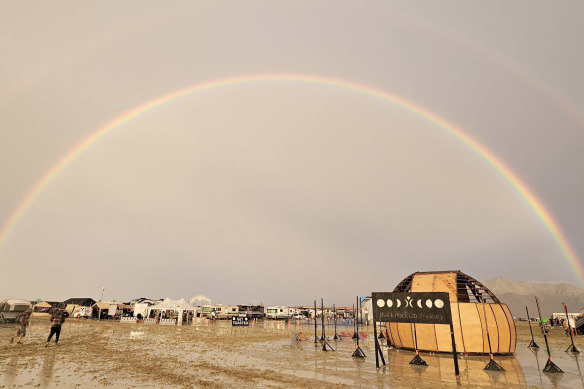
point(277, 313)
point(252, 311)
point(228, 311)
point(206, 310)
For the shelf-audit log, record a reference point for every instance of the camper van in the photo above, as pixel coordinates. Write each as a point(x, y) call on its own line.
point(228, 311)
point(11, 310)
point(277, 313)
point(206, 310)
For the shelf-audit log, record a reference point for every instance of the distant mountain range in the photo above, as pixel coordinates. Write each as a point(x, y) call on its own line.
point(518, 294)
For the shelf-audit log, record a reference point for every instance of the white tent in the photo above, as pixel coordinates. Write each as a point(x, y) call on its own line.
point(177, 306)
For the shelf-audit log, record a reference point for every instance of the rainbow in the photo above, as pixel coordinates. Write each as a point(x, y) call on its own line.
point(524, 192)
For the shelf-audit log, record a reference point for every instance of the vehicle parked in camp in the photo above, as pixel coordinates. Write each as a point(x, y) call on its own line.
point(207, 309)
point(252, 311)
point(11, 310)
point(277, 313)
point(227, 311)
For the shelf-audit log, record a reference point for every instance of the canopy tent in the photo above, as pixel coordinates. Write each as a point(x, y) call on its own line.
point(176, 306)
point(43, 308)
point(106, 306)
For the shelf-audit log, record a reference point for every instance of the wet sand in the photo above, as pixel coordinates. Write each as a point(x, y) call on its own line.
point(101, 354)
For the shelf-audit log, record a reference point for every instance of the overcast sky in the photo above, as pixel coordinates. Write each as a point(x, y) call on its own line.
point(282, 192)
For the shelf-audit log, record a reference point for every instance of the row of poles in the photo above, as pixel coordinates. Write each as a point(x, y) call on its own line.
point(492, 365)
point(550, 367)
point(323, 340)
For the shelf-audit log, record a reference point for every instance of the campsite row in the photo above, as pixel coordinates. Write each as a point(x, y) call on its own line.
point(180, 311)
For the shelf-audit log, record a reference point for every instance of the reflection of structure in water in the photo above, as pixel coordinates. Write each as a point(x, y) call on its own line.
point(470, 331)
point(471, 370)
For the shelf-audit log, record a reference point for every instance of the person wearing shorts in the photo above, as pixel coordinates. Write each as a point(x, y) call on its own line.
point(23, 322)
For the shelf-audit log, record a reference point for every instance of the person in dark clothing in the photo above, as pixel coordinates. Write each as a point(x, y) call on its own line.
point(57, 318)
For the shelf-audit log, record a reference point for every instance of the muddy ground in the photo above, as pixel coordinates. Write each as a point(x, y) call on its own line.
point(101, 354)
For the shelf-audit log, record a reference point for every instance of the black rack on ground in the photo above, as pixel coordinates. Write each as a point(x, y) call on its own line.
point(531, 344)
point(550, 367)
point(417, 358)
point(336, 337)
point(492, 365)
point(571, 347)
point(323, 340)
point(358, 351)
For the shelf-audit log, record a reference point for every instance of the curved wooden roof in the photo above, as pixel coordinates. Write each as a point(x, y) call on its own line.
point(462, 287)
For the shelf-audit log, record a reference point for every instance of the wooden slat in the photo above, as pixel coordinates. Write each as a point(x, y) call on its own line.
point(512, 329)
point(443, 342)
point(406, 334)
point(426, 337)
point(504, 330)
point(479, 308)
point(458, 332)
point(493, 328)
point(472, 330)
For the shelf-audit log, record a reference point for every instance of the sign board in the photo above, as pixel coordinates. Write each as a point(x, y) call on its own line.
point(112, 310)
point(239, 321)
point(411, 307)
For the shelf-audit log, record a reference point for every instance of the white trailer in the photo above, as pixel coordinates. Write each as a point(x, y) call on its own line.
point(277, 312)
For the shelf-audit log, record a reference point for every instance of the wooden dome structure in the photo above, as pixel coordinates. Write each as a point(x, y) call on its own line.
point(467, 296)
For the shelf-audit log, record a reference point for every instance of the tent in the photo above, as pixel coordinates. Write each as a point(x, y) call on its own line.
point(469, 301)
point(43, 308)
point(172, 308)
point(102, 309)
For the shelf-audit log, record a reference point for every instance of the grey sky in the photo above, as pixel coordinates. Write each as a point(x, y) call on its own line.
point(281, 192)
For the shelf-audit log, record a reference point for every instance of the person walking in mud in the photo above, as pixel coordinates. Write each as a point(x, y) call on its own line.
point(57, 318)
point(23, 322)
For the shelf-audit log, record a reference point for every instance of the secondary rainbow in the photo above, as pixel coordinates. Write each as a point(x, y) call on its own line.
point(528, 196)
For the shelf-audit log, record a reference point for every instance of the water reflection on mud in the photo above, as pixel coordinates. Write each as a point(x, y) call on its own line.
point(93, 354)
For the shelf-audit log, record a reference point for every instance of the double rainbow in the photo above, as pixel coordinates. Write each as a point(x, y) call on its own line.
point(524, 192)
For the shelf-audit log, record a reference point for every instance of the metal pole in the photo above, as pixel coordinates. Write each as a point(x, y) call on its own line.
point(549, 367)
point(572, 348)
point(315, 338)
point(335, 313)
point(542, 330)
point(532, 344)
point(357, 321)
point(415, 339)
point(354, 322)
point(492, 365)
point(454, 353)
point(376, 344)
point(322, 334)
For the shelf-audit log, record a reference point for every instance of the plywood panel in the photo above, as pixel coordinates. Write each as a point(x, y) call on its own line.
point(423, 283)
point(392, 332)
point(458, 333)
point(472, 331)
point(479, 308)
point(504, 330)
point(443, 340)
point(446, 282)
point(406, 335)
point(493, 328)
point(512, 329)
point(426, 337)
